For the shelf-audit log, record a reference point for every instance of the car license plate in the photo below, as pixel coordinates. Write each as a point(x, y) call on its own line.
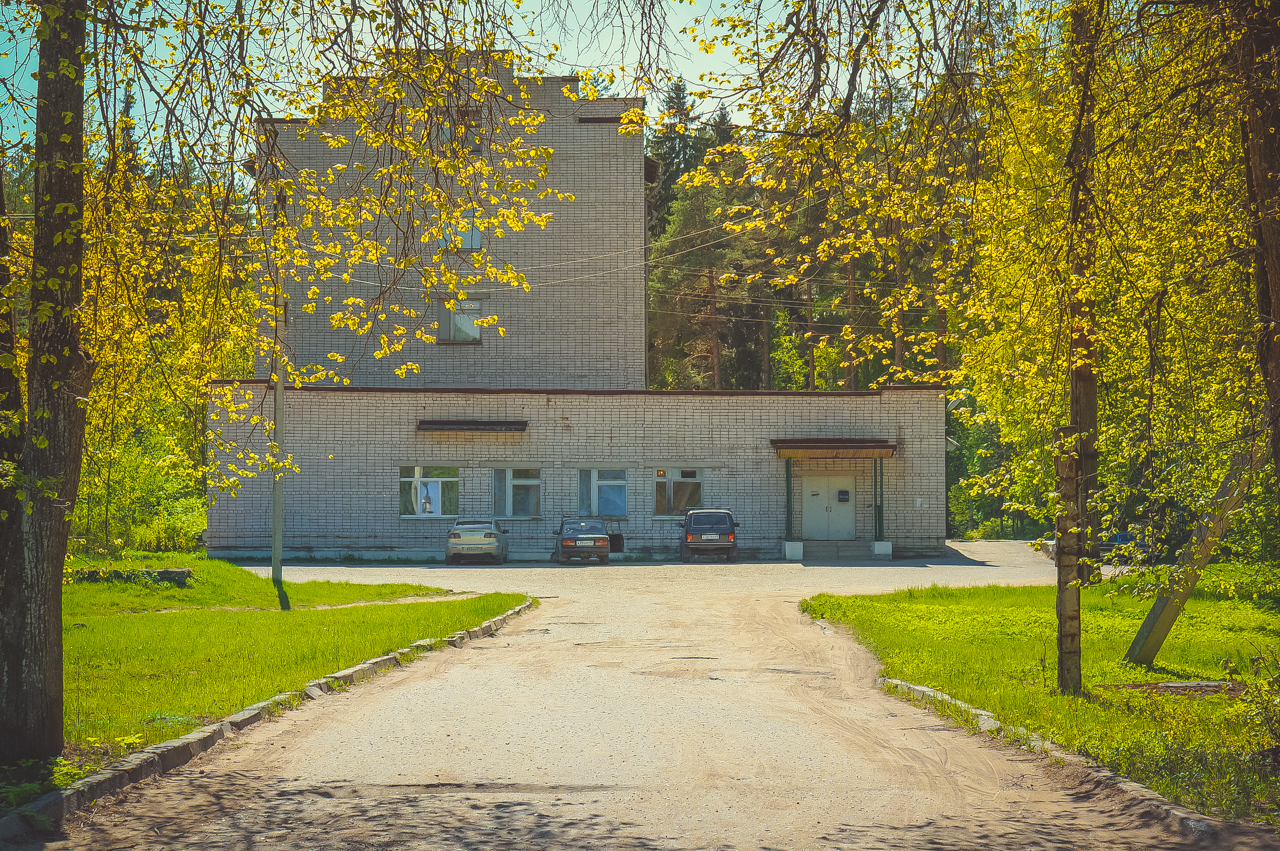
point(710, 537)
point(472, 549)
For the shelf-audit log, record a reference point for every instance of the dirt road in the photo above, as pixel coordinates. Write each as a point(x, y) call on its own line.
point(641, 707)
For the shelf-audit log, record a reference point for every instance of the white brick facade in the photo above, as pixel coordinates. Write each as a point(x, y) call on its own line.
point(581, 325)
point(347, 504)
point(572, 365)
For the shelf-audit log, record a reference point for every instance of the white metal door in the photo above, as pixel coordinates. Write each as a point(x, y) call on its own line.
point(815, 518)
point(827, 510)
point(840, 522)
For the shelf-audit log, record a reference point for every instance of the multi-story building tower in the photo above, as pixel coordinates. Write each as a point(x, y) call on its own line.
point(552, 417)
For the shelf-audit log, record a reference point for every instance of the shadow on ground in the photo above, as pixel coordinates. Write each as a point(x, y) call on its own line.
point(239, 813)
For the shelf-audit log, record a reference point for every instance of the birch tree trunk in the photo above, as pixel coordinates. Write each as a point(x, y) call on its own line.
point(58, 376)
point(1078, 470)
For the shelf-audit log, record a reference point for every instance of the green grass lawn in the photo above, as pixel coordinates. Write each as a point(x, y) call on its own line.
point(145, 662)
point(217, 584)
point(995, 648)
point(152, 676)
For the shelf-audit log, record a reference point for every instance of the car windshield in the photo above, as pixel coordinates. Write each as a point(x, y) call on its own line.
point(473, 524)
point(711, 521)
point(584, 527)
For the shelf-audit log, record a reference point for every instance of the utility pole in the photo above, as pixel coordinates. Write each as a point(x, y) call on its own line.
point(278, 414)
point(277, 484)
point(715, 332)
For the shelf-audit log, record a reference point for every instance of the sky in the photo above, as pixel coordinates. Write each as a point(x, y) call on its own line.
point(600, 50)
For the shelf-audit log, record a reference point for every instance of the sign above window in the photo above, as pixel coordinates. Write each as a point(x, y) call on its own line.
point(473, 425)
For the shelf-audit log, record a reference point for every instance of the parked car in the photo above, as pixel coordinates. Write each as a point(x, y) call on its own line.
point(581, 537)
point(1133, 545)
point(708, 531)
point(480, 539)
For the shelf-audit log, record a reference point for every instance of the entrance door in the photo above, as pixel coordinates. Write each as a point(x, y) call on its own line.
point(827, 508)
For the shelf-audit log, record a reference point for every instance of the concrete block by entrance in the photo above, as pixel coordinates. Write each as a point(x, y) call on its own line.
point(793, 550)
point(882, 549)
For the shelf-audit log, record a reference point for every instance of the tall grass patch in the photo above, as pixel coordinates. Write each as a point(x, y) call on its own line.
point(995, 648)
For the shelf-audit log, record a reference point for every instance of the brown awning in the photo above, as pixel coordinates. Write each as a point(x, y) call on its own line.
point(833, 447)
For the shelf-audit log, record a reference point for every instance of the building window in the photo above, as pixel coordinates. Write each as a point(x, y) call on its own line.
point(517, 493)
point(459, 325)
point(602, 493)
point(428, 491)
point(676, 491)
point(466, 237)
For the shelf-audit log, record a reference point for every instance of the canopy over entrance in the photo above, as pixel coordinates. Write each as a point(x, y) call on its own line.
point(833, 447)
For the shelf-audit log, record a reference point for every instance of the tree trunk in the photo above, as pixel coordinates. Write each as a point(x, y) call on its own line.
point(900, 285)
point(766, 378)
point(1075, 527)
point(1259, 78)
point(940, 330)
point(58, 376)
point(12, 598)
point(851, 371)
point(813, 369)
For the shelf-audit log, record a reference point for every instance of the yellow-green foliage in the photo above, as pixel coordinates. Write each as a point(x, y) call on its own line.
point(995, 648)
point(1175, 319)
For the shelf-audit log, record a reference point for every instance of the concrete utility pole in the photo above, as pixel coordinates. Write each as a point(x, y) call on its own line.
point(277, 483)
point(278, 320)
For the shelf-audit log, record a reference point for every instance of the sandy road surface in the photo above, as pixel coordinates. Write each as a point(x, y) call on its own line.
point(641, 707)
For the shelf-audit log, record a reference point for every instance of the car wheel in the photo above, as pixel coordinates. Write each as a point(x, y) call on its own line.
point(685, 555)
point(731, 555)
point(604, 559)
point(563, 560)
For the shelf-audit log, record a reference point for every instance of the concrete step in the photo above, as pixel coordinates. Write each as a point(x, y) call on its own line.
point(857, 549)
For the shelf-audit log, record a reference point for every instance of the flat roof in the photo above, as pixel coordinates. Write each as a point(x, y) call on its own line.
point(553, 391)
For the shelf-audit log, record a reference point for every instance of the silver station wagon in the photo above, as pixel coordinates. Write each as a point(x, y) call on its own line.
point(477, 539)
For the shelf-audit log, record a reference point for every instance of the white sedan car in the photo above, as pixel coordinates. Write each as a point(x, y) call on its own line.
point(483, 539)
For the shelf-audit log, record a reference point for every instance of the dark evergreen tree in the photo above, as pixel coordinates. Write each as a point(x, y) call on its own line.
point(677, 149)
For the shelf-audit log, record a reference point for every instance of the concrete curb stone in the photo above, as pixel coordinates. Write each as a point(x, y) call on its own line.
point(166, 756)
point(1189, 822)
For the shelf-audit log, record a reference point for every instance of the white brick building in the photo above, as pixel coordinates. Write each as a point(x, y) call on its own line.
point(552, 419)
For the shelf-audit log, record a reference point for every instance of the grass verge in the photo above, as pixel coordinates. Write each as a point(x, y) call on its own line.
point(994, 648)
point(150, 677)
point(145, 662)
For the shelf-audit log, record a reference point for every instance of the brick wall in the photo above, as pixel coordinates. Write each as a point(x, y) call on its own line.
point(581, 325)
point(350, 444)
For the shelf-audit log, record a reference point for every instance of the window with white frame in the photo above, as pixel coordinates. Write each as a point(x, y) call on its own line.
point(459, 324)
point(602, 493)
point(676, 490)
point(428, 491)
point(517, 492)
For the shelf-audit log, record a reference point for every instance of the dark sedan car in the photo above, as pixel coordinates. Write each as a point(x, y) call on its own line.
point(581, 537)
point(709, 531)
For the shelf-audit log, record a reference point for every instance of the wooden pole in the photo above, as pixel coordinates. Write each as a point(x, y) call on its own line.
point(1066, 556)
